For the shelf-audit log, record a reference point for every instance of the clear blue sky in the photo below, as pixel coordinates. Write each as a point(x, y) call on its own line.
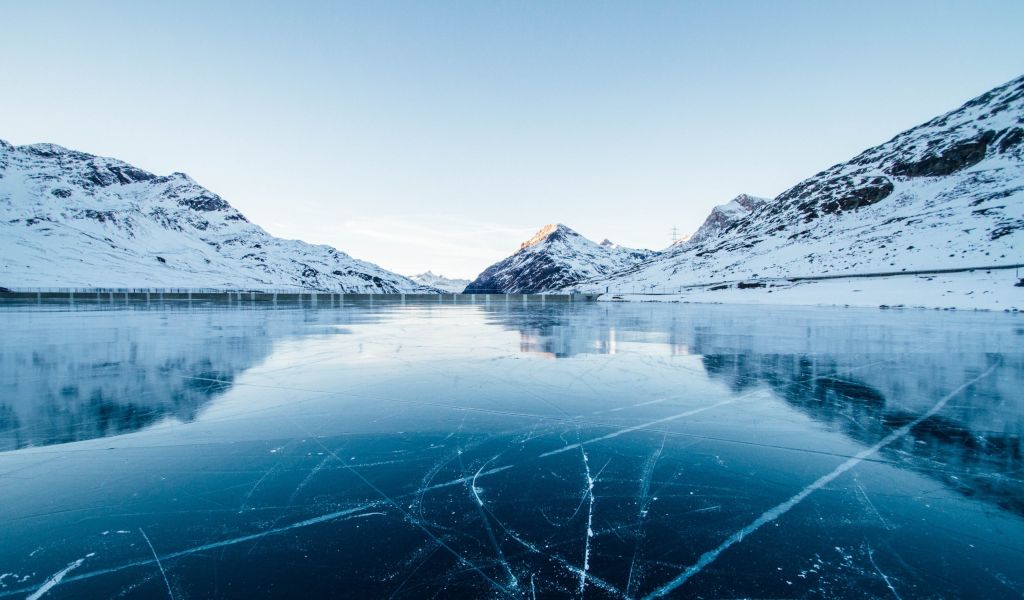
point(440, 134)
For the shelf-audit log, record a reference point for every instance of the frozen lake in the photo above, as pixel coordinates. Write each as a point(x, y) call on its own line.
point(502, 450)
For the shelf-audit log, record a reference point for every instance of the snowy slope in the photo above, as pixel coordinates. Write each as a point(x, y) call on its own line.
point(556, 257)
point(946, 194)
point(70, 219)
point(441, 282)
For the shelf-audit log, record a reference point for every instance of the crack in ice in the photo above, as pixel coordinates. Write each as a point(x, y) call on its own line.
point(158, 563)
point(644, 503)
point(513, 581)
point(871, 557)
point(626, 430)
point(416, 523)
point(781, 509)
point(188, 551)
point(590, 522)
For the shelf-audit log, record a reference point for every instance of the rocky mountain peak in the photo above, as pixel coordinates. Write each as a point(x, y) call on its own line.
point(749, 202)
point(556, 257)
point(726, 215)
point(549, 233)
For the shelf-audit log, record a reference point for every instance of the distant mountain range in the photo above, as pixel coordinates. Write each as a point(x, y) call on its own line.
point(71, 219)
point(555, 257)
point(441, 282)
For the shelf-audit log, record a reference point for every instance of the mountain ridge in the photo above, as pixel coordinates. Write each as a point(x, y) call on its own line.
point(447, 284)
point(554, 257)
point(73, 219)
point(945, 194)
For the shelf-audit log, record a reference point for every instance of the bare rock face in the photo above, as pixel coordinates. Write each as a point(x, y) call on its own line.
point(71, 219)
point(948, 160)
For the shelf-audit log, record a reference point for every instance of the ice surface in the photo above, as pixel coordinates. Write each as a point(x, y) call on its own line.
point(496, 449)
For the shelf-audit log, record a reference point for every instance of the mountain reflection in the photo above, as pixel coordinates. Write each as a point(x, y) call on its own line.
point(76, 375)
point(101, 373)
point(861, 380)
point(972, 446)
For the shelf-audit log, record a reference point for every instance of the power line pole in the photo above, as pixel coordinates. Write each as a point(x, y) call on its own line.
point(675, 234)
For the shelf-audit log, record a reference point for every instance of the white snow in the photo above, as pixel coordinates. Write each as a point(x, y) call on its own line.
point(981, 290)
point(70, 219)
point(890, 209)
point(441, 282)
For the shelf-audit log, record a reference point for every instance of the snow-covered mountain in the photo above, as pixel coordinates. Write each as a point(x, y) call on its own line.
point(724, 215)
point(946, 194)
point(441, 282)
point(555, 257)
point(71, 219)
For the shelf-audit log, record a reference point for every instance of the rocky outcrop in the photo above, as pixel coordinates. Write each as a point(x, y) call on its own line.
point(724, 216)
